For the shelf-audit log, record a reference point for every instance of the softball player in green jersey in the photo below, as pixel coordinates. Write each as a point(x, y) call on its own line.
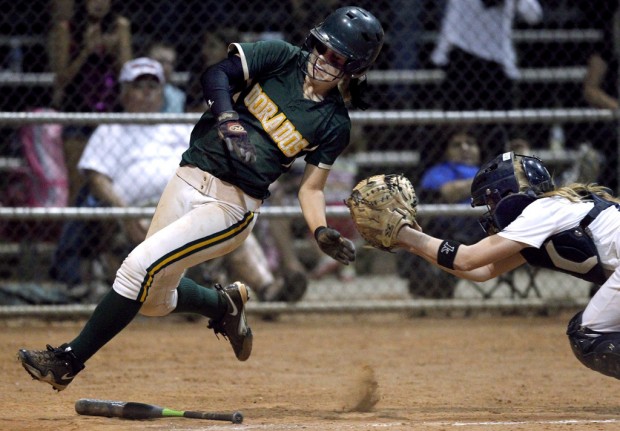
point(270, 103)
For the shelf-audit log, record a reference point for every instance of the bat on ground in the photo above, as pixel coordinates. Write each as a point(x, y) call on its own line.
point(132, 410)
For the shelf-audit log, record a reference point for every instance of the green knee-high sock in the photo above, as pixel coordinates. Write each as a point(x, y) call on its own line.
point(194, 298)
point(113, 313)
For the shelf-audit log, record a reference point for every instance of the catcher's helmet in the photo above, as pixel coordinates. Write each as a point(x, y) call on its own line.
point(352, 32)
point(497, 179)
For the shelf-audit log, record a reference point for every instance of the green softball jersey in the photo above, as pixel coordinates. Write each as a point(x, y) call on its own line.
point(280, 122)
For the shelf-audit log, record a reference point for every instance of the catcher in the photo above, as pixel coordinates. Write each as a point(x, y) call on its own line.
point(578, 234)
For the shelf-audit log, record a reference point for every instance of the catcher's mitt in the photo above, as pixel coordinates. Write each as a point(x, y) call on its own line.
point(380, 206)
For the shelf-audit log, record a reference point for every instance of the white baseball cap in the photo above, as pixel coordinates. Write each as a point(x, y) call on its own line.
point(139, 67)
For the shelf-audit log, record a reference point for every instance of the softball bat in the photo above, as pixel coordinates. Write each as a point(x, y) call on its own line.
point(132, 410)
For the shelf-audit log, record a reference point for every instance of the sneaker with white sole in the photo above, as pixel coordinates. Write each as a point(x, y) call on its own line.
point(56, 365)
point(233, 325)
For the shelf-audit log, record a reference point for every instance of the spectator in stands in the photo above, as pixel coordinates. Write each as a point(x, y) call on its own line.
point(118, 174)
point(86, 53)
point(475, 49)
point(406, 50)
point(476, 41)
point(166, 55)
point(585, 168)
point(278, 236)
point(519, 146)
point(600, 84)
point(448, 182)
point(213, 47)
point(303, 14)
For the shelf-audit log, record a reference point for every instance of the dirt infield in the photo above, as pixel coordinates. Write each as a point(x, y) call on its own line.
point(308, 372)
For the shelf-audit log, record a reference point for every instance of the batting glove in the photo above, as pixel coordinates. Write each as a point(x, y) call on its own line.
point(234, 134)
point(335, 245)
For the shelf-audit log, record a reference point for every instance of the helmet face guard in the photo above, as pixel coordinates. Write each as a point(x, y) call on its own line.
point(327, 69)
point(497, 179)
point(351, 32)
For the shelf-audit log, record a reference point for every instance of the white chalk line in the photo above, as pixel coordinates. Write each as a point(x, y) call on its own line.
point(400, 425)
point(547, 422)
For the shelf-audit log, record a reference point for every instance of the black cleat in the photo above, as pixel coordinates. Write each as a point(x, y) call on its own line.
point(56, 365)
point(233, 325)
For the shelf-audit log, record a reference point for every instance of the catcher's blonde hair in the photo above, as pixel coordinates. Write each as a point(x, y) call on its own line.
point(574, 192)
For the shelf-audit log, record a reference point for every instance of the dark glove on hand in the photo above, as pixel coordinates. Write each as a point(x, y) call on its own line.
point(335, 245)
point(235, 136)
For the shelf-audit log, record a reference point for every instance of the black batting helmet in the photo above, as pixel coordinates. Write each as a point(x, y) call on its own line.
point(353, 33)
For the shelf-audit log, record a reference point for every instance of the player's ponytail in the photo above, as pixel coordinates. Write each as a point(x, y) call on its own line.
point(352, 90)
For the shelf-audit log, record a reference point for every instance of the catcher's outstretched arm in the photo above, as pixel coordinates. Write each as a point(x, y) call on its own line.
point(482, 261)
point(486, 272)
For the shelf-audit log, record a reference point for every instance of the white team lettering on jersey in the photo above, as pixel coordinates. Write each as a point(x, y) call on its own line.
point(281, 130)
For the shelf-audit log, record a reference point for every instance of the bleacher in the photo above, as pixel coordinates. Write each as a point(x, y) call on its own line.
point(563, 81)
point(403, 132)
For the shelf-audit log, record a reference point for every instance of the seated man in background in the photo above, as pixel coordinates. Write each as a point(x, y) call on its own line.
point(124, 165)
point(447, 182)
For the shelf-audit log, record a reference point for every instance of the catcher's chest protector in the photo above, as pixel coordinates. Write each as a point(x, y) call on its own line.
point(571, 251)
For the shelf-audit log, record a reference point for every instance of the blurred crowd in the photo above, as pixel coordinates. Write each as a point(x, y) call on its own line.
point(471, 44)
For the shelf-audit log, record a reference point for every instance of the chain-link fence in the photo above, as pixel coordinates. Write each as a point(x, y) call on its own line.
point(457, 82)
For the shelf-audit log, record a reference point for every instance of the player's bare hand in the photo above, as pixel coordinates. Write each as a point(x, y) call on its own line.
point(234, 134)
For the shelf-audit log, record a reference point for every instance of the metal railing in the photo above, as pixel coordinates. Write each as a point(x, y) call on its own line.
point(544, 116)
point(375, 77)
point(385, 117)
